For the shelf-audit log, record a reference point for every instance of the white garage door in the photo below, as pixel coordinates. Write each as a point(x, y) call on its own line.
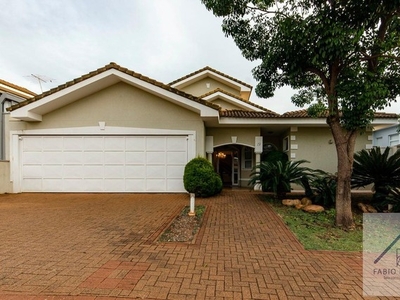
point(103, 163)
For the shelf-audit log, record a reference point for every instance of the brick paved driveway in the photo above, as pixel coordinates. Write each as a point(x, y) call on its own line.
point(103, 246)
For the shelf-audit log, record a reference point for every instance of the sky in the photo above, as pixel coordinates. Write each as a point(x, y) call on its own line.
point(61, 40)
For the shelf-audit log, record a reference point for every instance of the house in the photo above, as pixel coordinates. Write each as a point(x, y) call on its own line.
point(387, 137)
point(115, 130)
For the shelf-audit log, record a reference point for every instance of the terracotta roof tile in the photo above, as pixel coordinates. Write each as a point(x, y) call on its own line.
point(236, 113)
point(207, 68)
point(304, 114)
point(236, 97)
point(121, 69)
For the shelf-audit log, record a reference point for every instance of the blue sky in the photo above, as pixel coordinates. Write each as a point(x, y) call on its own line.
point(165, 40)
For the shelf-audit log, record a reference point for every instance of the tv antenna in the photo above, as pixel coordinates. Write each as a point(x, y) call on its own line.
point(41, 79)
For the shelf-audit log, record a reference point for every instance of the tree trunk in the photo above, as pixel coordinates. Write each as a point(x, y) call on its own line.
point(345, 143)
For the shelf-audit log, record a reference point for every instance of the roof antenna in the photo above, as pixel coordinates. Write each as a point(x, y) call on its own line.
point(41, 79)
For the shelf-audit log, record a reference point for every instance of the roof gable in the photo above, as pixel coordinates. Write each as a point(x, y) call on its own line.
point(33, 109)
point(243, 88)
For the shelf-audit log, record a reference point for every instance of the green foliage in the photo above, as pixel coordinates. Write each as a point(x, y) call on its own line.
point(318, 232)
point(200, 178)
point(275, 155)
point(380, 169)
point(276, 176)
point(323, 186)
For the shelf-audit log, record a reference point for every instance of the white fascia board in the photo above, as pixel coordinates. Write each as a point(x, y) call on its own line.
point(219, 77)
point(231, 99)
point(385, 121)
point(26, 116)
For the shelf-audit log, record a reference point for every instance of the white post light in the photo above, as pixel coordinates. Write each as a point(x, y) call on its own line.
point(192, 213)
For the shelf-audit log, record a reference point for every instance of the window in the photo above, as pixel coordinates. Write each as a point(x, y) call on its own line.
point(285, 145)
point(247, 158)
point(393, 139)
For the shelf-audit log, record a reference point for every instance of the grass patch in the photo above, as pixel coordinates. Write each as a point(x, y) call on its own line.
point(316, 231)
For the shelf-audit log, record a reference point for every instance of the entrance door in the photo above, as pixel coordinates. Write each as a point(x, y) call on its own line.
point(228, 165)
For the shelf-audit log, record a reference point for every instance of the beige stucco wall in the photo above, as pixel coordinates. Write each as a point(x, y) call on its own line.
point(5, 183)
point(225, 104)
point(199, 88)
point(245, 136)
point(316, 145)
point(122, 105)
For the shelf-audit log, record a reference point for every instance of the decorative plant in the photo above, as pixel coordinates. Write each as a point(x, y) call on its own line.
point(277, 176)
point(320, 187)
point(200, 178)
point(378, 168)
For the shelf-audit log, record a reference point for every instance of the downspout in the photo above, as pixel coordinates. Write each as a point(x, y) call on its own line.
point(3, 99)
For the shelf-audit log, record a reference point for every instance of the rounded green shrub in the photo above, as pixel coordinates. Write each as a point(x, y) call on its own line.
point(200, 178)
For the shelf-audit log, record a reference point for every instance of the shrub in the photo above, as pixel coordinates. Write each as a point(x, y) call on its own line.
point(379, 169)
point(321, 188)
point(275, 155)
point(276, 176)
point(200, 178)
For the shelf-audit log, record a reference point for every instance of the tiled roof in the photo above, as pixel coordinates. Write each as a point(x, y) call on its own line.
point(121, 69)
point(304, 114)
point(214, 71)
point(236, 113)
point(9, 87)
point(236, 97)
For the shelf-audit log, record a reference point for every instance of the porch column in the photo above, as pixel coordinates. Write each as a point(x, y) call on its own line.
point(258, 149)
point(209, 147)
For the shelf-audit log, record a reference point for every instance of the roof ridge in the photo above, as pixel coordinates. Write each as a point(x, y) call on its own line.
point(113, 65)
point(213, 70)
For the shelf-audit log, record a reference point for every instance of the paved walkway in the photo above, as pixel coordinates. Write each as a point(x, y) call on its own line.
point(104, 246)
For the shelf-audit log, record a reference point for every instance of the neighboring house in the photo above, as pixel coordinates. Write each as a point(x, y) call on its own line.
point(387, 137)
point(9, 94)
point(114, 130)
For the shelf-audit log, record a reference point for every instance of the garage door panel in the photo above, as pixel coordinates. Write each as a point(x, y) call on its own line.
point(103, 163)
point(93, 143)
point(178, 158)
point(72, 157)
point(52, 171)
point(52, 158)
point(135, 185)
point(134, 143)
point(114, 157)
point(176, 144)
point(33, 158)
point(155, 158)
point(114, 143)
point(114, 185)
point(155, 172)
point(175, 171)
point(135, 157)
point(53, 185)
point(114, 171)
point(155, 185)
point(155, 144)
point(93, 185)
point(32, 144)
point(93, 171)
point(33, 171)
point(71, 171)
point(72, 143)
point(31, 184)
point(135, 171)
point(175, 185)
point(93, 158)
